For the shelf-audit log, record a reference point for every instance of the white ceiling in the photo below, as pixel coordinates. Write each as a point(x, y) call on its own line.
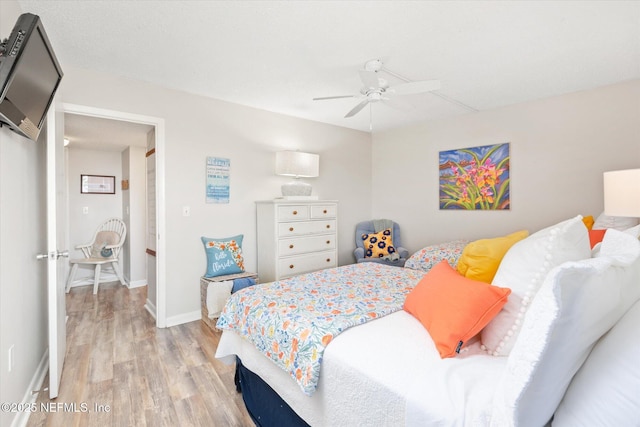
point(103, 134)
point(278, 55)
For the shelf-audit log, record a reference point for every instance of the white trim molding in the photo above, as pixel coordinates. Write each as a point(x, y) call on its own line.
point(184, 318)
point(31, 394)
point(151, 308)
point(161, 291)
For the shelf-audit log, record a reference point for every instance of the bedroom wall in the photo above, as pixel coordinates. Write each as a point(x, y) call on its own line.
point(23, 296)
point(197, 127)
point(559, 148)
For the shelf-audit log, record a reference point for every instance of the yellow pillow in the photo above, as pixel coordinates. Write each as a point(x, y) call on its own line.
point(588, 221)
point(480, 259)
point(378, 245)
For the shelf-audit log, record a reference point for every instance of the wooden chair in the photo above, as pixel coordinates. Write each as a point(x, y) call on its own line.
point(104, 249)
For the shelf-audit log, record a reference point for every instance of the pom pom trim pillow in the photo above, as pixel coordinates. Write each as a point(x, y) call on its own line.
point(224, 256)
point(523, 269)
point(452, 308)
point(378, 245)
point(577, 303)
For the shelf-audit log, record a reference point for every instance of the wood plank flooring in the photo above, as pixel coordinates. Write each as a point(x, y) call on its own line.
point(120, 370)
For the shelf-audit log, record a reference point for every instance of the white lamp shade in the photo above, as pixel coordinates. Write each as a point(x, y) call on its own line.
point(295, 163)
point(622, 193)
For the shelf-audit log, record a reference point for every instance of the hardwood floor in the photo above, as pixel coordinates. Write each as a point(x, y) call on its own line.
point(120, 370)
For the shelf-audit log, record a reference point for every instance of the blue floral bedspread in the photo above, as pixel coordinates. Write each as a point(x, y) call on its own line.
point(292, 321)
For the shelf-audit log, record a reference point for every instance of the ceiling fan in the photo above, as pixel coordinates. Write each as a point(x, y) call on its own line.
point(376, 88)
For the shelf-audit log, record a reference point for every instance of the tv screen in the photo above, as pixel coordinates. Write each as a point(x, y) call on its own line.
point(29, 76)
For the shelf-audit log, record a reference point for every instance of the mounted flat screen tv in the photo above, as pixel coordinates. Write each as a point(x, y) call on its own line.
point(29, 77)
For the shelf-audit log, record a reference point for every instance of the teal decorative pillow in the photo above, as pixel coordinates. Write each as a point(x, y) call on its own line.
point(224, 256)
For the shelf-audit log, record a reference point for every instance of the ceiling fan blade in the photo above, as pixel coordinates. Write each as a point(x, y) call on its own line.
point(357, 108)
point(369, 79)
point(334, 97)
point(414, 87)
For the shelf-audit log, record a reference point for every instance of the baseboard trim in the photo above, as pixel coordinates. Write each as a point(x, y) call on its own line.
point(183, 318)
point(22, 417)
point(136, 283)
point(151, 308)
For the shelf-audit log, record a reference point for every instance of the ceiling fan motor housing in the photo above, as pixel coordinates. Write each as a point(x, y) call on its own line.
point(374, 65)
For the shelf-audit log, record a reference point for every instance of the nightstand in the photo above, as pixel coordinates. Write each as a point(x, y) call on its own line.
point(204, 285)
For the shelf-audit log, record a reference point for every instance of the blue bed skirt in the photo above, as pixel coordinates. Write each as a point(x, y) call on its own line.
point(265, 406)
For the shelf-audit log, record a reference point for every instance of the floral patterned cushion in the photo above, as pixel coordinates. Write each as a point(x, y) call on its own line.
point(378, 245)
point(427, 257)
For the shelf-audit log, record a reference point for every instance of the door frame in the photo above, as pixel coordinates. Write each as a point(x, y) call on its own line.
point(57, 246)
point(158, 123)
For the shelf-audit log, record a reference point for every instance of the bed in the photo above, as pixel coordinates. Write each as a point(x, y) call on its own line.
point(382, 367)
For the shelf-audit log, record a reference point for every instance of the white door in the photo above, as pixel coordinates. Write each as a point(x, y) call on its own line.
point(56, 247)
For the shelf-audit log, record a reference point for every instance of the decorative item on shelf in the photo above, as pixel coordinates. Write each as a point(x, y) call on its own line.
point(622, 193)
point(299, 165)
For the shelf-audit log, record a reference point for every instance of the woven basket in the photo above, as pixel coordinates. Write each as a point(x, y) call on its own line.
point(204, 284)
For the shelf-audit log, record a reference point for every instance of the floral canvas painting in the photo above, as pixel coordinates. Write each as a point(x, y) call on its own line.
point(475, 178)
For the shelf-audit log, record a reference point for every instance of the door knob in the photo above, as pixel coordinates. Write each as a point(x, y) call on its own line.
point(63, 254)
point(53, 255)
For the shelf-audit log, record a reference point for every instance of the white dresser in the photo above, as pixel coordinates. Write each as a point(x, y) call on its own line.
point(296, 237)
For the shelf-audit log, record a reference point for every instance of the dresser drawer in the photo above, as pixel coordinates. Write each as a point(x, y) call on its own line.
point(303, 245)
point(324, 211)
point(305, 263)
point(293, 212)
point(286, 229)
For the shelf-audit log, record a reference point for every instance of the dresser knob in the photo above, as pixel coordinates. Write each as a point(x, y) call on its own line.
point(291, 266)
point(324, 211)
point(328, 259)
point(290, 228)
point(328, 242)
point(295, 212)
point(328, 226)
point(290, 246)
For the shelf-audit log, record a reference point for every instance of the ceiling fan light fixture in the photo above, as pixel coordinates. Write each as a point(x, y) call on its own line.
point(374, 65)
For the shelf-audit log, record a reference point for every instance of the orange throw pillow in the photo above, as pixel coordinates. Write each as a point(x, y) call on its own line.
point(453, 308)
point(596, 236)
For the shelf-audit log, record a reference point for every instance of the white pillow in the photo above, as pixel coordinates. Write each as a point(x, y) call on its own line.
point(633, 231)
point(577, 304)
point(617, 222)
point(523, 269)
point(606, 390)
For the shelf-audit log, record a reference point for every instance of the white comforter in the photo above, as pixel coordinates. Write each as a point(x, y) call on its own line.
point(384, 373)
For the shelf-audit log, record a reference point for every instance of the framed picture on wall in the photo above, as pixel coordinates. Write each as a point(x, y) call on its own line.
point(97, 184)
point(218, 180)
point(475, 178)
